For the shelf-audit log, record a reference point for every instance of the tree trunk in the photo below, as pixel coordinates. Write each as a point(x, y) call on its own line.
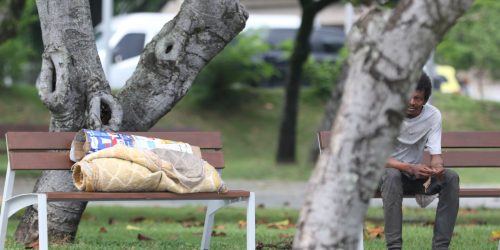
point(72, 84)
point(331, 110)
point(387, 52)
point(301, 49)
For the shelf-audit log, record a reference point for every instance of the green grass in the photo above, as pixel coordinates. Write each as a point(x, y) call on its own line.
point(181, 228)
point(21, 104)
point(250, 128)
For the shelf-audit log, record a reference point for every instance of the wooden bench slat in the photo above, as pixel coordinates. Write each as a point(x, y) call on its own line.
point(460, 149)
point(47, 140)
point(468, 159)
point(472, 159)
point(471, 139)
point(464, 192)
point(449, 139)
point(108, 196)
point(46, 160)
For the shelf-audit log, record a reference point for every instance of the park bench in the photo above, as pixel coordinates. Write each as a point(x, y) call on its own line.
point(459, 150)
point(50, 151)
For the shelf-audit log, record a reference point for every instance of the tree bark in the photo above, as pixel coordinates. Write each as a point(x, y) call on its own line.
point(301, 49)
point(72, 84)
point(330, 110)
point(387, 52)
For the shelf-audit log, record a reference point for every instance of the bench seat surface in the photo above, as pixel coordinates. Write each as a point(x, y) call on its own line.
point(109, 196)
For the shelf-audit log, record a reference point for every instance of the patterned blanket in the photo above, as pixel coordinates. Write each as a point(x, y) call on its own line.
point(125, 169)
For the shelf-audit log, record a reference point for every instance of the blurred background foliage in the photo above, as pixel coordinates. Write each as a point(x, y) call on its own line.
point(20, 55)
point(237, 67)
point(474, 42)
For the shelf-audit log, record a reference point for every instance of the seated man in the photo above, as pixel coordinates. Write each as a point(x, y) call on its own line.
point(405, 173)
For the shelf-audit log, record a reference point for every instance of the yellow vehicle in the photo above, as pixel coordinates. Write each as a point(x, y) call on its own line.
point(448, 82)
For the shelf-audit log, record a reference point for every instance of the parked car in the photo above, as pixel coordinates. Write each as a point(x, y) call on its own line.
point(131, 32)
point(325, 43)
point(446, 80)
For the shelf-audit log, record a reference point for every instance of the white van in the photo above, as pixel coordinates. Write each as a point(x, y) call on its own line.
point(129, 34)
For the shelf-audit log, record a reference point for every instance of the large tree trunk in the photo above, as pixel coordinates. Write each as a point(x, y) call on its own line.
point(330, 110)
point(301, 49)
point(387, 52)
point(72, 84)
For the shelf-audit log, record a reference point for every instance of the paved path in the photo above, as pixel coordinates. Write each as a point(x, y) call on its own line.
point(268, 194)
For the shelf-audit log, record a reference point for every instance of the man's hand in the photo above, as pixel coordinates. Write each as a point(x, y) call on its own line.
point(437, 164)
point(421, 170)
point(438, 170)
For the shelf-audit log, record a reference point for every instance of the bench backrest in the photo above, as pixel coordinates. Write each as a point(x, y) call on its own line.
point(50, 150)
point(460, 149)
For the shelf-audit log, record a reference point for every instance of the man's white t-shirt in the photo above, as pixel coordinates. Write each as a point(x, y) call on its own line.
point(419, 133)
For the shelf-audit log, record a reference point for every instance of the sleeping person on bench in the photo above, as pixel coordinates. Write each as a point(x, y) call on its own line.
point(404, 172)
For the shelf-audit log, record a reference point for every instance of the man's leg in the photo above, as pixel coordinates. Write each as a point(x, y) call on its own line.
point(447, 210)
point(392, 198)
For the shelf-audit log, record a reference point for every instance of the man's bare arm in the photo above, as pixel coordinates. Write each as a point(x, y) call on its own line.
point(419, 170)
point(437, 164)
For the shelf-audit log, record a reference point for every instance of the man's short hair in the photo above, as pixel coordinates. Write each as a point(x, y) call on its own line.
point(425, 85)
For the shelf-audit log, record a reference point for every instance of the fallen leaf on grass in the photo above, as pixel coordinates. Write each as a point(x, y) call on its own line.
point(281, 224)
point(130, 227)
point(88, 217)
point(192, 223)
point(143, 237)
point(476, 222)
point(103, 230)
point(375, 232)
point(217, 234)
point(467, 211)
point(138, 219)
point(428, 223)
point(284, 236)
point(242, 224)
point(32, 245)
point(262, 221)
point(495, 235)
point(280, 245)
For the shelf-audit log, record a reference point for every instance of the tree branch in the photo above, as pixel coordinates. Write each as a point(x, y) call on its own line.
point(319, 5)
point(173, 59)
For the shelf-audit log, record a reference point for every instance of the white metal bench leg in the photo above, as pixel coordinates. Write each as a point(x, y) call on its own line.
point(16, 203)
point(12, 204)
point(43, 237)
point(360, 241)
point(251, 222)
point(213, 206)
point(209, 221)
point(4, 214)
point(4, 219)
